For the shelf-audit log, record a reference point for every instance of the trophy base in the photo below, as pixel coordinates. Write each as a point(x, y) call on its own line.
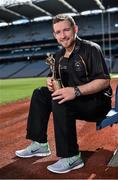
point(56, 84)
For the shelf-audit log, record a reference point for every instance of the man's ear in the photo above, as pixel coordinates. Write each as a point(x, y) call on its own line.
point(76, 29)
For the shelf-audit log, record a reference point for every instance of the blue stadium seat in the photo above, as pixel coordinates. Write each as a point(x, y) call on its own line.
point(112, 116)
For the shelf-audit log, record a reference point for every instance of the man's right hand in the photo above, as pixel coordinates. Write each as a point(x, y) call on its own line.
point(50, 84)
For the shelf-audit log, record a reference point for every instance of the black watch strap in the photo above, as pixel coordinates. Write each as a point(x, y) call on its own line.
point(77, 91)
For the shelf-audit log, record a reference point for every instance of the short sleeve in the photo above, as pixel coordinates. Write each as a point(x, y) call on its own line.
point(99, 69)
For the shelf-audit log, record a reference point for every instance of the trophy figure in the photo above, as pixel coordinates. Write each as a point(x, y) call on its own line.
point(51, 62)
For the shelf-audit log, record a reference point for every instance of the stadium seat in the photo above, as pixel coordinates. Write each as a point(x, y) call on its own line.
point(112, 116)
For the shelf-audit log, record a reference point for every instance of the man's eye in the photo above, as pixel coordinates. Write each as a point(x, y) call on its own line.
point(67, 29)
point(57, 33)
point(64, 30)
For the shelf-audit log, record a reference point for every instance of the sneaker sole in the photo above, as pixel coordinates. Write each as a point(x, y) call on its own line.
point(34, 155)
point(74, 168)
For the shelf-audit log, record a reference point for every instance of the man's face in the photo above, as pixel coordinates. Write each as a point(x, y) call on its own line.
point(64, 33)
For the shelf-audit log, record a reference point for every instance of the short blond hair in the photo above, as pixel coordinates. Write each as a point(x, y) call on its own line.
point(63, 17)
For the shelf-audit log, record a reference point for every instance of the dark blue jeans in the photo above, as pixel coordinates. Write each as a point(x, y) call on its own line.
point(89, 108)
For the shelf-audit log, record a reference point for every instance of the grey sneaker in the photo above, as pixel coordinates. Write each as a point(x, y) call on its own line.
point(65, 165)
point(34, 149)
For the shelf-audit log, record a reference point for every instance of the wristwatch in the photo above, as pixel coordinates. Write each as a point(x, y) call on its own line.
point(77, 91)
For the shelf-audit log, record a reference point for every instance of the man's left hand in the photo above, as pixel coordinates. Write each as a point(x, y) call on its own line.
point(64, 94)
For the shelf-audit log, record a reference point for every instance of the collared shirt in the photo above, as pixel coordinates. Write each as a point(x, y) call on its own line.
point(85, 64)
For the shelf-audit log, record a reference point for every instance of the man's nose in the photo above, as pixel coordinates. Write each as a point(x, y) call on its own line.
point(62, 34)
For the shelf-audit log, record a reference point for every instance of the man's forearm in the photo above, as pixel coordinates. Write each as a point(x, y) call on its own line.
point(94, 86)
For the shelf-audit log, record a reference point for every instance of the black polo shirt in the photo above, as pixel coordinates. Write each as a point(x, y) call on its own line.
point(86, 63)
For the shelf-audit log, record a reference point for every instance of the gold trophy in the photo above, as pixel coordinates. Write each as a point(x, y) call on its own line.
point(51, 62)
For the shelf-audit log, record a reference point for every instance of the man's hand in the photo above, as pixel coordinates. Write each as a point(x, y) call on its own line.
point(64, 94)
point(49, 84)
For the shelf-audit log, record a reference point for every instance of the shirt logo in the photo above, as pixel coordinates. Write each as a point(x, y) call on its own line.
point(78, 66)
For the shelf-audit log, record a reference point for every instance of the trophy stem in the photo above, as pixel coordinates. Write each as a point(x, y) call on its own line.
point(56, 84)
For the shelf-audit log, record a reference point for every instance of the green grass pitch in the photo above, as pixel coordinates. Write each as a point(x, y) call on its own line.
point(15, 89)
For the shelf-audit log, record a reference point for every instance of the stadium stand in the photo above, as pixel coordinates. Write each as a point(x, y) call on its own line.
point(11, 68)
point(25, 46)
point(33, 69)
point(37, 31)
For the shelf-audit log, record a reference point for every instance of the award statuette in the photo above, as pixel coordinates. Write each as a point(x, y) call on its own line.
point(51, 62)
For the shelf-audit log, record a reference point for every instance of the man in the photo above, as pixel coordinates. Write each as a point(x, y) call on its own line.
point(85, 93)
